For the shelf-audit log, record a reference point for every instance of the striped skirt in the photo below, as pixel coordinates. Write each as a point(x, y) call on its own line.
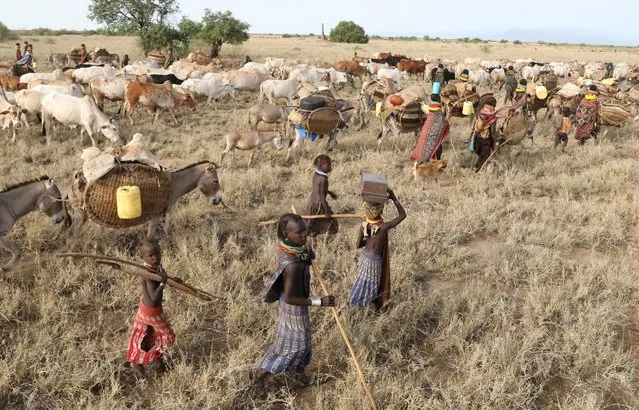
point(369, 274)
point(151, 336)
point(291, 351)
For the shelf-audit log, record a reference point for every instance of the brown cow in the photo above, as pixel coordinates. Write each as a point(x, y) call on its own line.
point(154, 96)
point(9, 82)
point(412, 67)
point(352, 69)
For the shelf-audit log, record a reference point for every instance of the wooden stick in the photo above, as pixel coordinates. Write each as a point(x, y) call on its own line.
point(360, 375)
point(336, 216)
point(492, 153)
point(141, 271)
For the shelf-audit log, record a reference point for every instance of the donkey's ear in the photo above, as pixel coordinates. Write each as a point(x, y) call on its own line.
point(49, 183)
point(212, 167)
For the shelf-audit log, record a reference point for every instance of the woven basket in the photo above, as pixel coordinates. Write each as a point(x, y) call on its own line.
point(156, 57)
point(550, 81)
point(599, 75)
point(633, 93)
point(322, 121)
point(100, 196)
point(613, 114)
point(411, 117)
point(515, 126)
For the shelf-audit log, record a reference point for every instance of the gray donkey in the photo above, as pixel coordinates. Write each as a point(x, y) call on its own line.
point(18, 200)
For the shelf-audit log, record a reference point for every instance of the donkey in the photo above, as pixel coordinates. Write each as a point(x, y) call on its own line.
point(202, 175)
point(18, 200)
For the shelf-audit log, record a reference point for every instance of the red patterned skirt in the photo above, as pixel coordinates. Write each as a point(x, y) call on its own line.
point(151, 336)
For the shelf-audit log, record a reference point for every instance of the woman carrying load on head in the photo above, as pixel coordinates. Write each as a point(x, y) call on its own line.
point(587, 116)
point(484, 135)
point(520, 99)
point(511, 84)
point(434, 133)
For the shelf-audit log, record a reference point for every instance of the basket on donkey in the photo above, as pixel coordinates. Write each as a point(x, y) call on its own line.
point(612, 113)
point(513, 125)
point(99, 197)
point(321, 121)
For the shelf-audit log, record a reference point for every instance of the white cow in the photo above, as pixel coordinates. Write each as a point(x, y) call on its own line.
point(274, 89)
point(620, 72)
point(243, 80)
point(11, 116)
point(71, 89)
point(83, 111)
point(55, 75)
point(30, 101)
point(307, 75)
point(255, 67)
point(270, 63)
point(85, 74)
point(498, 77)
point(479, 77)
point(338, 78)
point(531, 73)
point(211, 76)
point(373, 68)
point(212, 89)
point(559, 69)
point(392, 74)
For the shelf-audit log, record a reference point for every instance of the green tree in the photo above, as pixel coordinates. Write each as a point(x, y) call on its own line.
point(348, 32)
point(6, 34)
point(132, 16)
point(221, 27)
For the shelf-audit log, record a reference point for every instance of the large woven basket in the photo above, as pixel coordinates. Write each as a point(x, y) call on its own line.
point(515, 127)
point(599, 75)
point(322, 121)
point(613, 114)
point(633, 93)
point(100, 196)
point(550, 81)
point(411, 117)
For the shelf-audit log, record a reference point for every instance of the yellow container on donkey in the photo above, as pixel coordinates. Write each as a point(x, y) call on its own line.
point(129, 202)
point(468, 108)
point(378, 109)
point(425, 108)
point(541, 92)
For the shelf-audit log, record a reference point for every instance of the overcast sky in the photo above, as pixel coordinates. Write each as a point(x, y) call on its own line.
point(618, 21)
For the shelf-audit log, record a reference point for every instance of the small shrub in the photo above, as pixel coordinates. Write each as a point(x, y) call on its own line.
point(503, 41)
point(516, 42)
point(348, 32)
point(6, 34)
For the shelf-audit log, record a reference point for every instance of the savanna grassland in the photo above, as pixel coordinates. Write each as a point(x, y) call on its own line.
point(513, 289)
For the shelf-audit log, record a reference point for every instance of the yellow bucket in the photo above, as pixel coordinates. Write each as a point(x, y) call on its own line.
point(607, 82)
point(541, 92)
point(468, 108)
point(580, 80)
point(424, 108)
point(34, 64)
point(129, 202)
point(378, 109)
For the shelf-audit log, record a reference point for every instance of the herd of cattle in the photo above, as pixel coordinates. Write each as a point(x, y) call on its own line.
point(76, 96)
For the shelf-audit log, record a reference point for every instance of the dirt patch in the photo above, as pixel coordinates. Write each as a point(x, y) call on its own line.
point(485, 248)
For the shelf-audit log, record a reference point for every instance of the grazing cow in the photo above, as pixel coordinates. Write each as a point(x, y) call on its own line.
point(414, 67)
point(212, 76)
point(559, 69)
point(248, 140)
point(70, 89)
point(255, 67)
point(243, 80)
point(274, 89)
point(620, 72)
point(11, 116)
point(83, 111)
point(111, 88)
point(84, 75)
point(307, 75)
point(30, 101)
point(212, 89)
point(9, 82)
point(531, 72)
point(55, 75)
point(373, 68)
point(162, 78)
point(58, 60)
point(392, 74)
point(155, 97)
point(61, 83)
point(391, 60)
point(479, 78)
point(269, 113)
point(352, 69)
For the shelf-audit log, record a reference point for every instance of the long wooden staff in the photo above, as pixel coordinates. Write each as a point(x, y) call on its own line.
point(335, 216)
point(198, 293)
point(493, 153)
point(360, 375)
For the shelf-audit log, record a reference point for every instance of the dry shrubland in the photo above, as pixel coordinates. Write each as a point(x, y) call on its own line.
point(511, 289)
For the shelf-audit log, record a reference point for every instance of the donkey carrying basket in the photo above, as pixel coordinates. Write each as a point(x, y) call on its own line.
point(99, 197)
point(322, 121)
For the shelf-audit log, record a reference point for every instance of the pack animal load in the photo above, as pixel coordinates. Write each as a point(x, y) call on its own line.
point(104, 188)
point(612, 113)
point(513, 125)
point(375, 91)
point(633, 93)
point(156, 57)
point(454, 96)
point(316, 114)
point(408, 113)
point(73, 56)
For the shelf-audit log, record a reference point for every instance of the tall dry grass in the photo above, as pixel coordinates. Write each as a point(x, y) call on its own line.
point(511, 289)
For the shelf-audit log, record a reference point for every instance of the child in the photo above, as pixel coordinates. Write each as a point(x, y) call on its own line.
point(317, 204)
point(83, 53)
point(511, 84)
point(18, 53)
point(520, 99)
point(291, 351)
point(373, 270)
point(562, 128)
point(485, 135)
point(152, 335)
point(125, 60)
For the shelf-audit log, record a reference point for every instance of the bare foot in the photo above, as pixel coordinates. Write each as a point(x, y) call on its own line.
point(257, 376)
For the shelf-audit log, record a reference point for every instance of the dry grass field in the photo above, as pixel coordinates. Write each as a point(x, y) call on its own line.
point(513, 289)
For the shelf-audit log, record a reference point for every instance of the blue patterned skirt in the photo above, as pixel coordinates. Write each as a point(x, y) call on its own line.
point(369, 274)
point(291, 351)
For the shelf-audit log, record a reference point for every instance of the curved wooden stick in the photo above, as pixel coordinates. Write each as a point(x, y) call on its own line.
point(335, 216)
point(198, 293)
point(360, 375)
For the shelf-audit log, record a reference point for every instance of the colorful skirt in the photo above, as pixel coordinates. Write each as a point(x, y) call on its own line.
point(369, 274)
point(152, 325)
point(291, 351)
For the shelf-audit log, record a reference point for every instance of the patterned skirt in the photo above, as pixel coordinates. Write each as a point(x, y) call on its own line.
point(291, 351)
point(152, 325)
point(369, 274)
